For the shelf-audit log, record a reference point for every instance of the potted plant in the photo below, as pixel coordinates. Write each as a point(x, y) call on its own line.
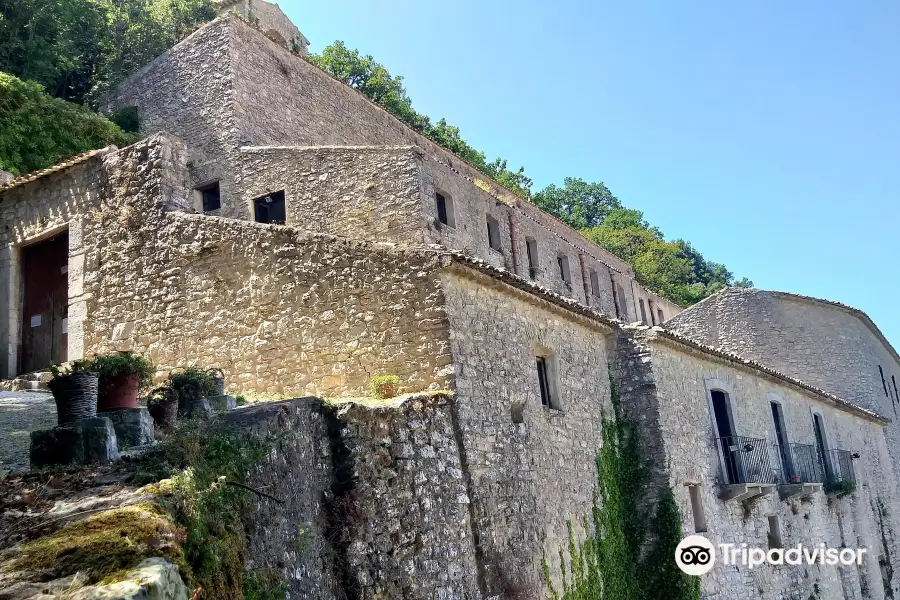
point(162, 403)
point(74, 389)
point(191, 385)
point(122, 377)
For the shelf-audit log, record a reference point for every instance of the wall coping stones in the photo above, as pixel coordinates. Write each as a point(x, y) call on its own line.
point(70, 162)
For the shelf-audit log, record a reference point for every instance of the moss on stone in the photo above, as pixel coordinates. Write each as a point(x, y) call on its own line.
point(105, 546)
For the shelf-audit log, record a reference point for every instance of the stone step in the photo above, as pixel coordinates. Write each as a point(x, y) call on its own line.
point(30, 381)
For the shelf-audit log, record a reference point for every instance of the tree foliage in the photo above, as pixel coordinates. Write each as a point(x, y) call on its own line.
point(79, 49)
point(39, 130)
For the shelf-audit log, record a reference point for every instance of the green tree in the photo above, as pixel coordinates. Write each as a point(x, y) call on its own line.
point(39, 130)
point(578, 203)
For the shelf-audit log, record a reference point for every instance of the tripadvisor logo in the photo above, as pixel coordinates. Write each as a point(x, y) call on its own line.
point(696, 555)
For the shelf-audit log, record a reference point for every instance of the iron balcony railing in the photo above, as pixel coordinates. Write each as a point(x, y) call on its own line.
point(798, 463)
point(745, 459)
point(840, 467)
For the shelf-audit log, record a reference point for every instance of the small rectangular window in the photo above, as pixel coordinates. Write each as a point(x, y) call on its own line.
point(697, 509)
point(595, 284)
point(532, 252)
point(774, 532)
point(894, 382)
point(661, 318)
point(564, 273)
point(493, 233)
point(652, 314)
point(210, 196)
point(444, 205)
point(546, 382)
point(643, 312)
point(270, 208)
point(883, 382)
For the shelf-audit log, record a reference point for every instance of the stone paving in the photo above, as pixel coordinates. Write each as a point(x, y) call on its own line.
point(20, 414)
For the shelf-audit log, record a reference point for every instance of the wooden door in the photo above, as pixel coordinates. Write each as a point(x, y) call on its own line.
point(45, 300)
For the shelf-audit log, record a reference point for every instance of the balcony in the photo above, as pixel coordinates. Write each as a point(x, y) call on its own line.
point(800, 471)
point(746, 467)
point(839, 477)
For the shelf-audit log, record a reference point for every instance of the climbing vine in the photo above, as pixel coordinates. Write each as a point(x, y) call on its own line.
point(629, 551)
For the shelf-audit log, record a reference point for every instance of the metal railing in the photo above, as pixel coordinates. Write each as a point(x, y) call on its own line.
point(840, 467)
point(745, 459)
point(798, 463)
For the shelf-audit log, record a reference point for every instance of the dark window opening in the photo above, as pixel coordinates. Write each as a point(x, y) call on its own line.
point(563, 262)
point(643, 312)
point(212, 199)
point(894, 383)
point(722, 418)
point(697, 509)
point(444, 205)
point(822, 445)
point(883, 382)
point(781, 440)
point(595, 284)
point(661, 318)
point(652, 315)
point(493, 234)
point(615, 286)
point(774, 532)
point(531, 251)
point(270, 208)
point(543, 369)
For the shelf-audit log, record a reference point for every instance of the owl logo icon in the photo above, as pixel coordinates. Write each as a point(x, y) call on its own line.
point(695, 555)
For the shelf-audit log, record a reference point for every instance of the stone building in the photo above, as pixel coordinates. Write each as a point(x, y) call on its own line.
point(287, 230)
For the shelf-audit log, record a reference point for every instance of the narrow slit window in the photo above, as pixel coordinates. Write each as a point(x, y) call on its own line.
point(493, 228)
point(883, 382)
point(775, 532)
point(564, 273)
point(532, 252)
point(270, 208)
point(894, 383)
point(444, 205)
point(547, 382)
point(697, 509)
point(643, 312)
point(595, 284)
point(659, 313)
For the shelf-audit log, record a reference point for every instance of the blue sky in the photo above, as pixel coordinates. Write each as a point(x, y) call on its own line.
point(766, 133)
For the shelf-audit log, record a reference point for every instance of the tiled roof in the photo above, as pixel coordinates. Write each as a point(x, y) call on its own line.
point(71, 162)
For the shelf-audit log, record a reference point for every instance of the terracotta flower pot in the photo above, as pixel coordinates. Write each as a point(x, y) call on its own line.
point(118, 393)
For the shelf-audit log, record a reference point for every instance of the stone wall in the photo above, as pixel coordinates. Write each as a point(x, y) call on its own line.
point(683, 378)
point(532, 468)
point(361, 193)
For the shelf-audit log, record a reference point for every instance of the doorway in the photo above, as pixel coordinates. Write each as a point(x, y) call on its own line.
point(728, 444)
point(45, 302)
point(781, 440)
point(822, 445)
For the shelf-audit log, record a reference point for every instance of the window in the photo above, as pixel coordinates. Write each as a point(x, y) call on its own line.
point(894, 382)
point(883, 382)
point(615, 286)
point(563, 262)
point(643, 312)
point(652, 315)
point(623, 306)
point(270, 208)
point(662, 319)
point(595, 284)
point(532, 252)
point(210, 197)
point(444, 205)
point(493, 233)
point(546, 382)
point(697, 509)
point(774, 532)
point(781, 441)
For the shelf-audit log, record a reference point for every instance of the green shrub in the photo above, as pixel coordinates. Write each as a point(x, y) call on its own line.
point(77, 366)
point(192, 382)
point(384, 386)
point(124, 363)
point(40, 131)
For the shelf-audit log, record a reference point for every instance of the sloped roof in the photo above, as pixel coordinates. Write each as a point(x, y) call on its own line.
point(70, 162)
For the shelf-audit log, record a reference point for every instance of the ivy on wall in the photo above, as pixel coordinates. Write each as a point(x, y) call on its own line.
point(629, 552)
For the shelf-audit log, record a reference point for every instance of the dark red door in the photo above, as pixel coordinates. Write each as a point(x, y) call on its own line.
point(45, 302)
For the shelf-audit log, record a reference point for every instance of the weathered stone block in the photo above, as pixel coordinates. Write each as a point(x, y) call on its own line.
point(78, 443)
point(134, 426)
point(153, 579)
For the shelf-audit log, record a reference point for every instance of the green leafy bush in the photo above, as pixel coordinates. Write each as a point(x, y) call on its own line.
point(384, 386)
point(77, 366)
point(40, 131)
point(124, 363)
point(192, 382)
